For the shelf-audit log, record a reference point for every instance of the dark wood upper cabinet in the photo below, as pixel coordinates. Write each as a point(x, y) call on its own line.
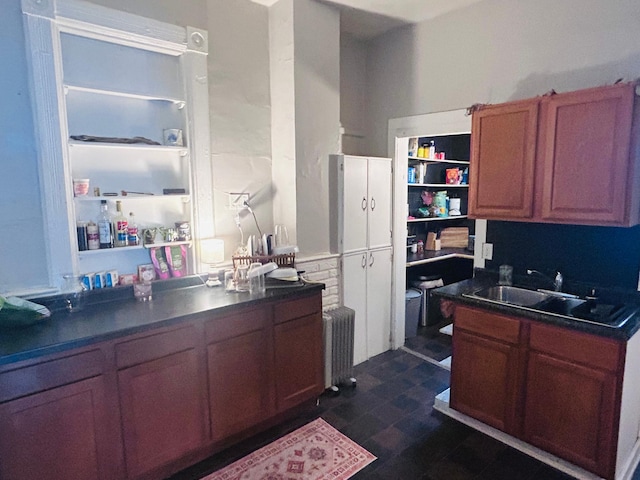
point(503, 148)
point(563, 158)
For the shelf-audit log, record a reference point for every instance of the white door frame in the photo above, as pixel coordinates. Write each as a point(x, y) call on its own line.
point(438, 123)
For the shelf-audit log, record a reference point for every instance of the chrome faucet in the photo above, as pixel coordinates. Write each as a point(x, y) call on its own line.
point(557, 282)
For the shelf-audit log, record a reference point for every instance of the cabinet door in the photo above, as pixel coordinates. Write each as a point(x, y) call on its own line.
point(378, 315)
point(586, 155)
point(354, 296)
point(379, 206)
point(57, 434)
point(570, 412)
point(162, 411)
point(239, 383)
point(355, 204)
point(299, 360)
point(503, 148)
point(484, 380)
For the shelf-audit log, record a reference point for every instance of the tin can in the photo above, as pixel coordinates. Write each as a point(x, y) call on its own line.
point(81, 229)
point(99, 280)
point(88, 281)
point(111, 278)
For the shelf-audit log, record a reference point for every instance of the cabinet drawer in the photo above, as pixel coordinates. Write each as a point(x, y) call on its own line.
point(488, 324)
point(47, 375)
point(229, 326)
point(285, 311)
point(598, 352)
point(155, 346)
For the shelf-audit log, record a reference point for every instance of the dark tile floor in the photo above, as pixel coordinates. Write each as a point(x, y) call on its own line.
point(390, 413)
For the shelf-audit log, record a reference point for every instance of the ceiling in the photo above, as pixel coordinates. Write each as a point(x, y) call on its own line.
point(366, 19)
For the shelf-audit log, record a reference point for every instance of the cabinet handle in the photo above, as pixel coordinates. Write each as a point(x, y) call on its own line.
point(373, 204)
point(364, 203)
point(364, 261)
point(371, 259)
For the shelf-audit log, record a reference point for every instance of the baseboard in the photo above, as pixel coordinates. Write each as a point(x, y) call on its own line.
point(441, 404)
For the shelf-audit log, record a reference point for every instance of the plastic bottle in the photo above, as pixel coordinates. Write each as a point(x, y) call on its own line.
point(432, 150)
point(421, 151)
point(93, 236)
point(132, 230)
point(105, 227)
point(120, 227)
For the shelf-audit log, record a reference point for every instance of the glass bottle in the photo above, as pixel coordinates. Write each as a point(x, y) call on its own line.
point(132, 230)
point(105, 227)
point(120, 227)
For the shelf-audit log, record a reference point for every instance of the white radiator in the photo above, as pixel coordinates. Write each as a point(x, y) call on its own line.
point(338, 347)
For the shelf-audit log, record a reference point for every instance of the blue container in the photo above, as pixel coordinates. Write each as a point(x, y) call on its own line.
point(411, 175)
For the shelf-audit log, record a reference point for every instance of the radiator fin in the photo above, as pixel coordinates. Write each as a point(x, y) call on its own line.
point(338, 343)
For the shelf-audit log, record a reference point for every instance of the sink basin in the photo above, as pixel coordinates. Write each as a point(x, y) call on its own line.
point(512, 295)
point(561, 305)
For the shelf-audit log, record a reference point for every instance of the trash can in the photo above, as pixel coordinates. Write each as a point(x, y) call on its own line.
point(425, 284)
point(413, 302)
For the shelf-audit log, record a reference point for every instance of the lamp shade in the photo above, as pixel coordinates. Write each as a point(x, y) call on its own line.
point(212, 251)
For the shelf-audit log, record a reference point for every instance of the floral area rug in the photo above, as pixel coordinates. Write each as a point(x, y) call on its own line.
point(316, 451)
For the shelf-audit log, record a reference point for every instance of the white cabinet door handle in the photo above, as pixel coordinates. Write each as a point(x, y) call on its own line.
point(373, 204)
point(364, 203)
point(371, 259)
point(364, 261)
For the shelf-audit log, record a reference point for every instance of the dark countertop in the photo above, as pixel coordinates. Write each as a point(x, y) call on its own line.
point(98, 322)
point(456, 291)
point(429, 256)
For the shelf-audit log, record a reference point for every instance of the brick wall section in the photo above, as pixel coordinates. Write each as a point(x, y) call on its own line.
point(325, 269)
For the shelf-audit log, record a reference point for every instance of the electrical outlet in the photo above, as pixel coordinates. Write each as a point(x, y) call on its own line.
point(487, 251)
point(236, 201)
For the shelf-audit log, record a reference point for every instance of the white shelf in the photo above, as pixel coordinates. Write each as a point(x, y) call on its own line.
point(437, 160)
point(76, 88)
point(130, 146)
point(185, 198)
point(439, 185)
point(435, 219)
point(102, 251)
point(166, 244)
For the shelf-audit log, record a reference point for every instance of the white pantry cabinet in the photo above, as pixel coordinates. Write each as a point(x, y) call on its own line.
point(361, 232)
point(366, 288)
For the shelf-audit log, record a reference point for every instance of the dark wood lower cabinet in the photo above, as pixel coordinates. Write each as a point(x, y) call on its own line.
point(486, 389)
point(56, 434)
point(240, 372)
point(569, 394)
point(144, 406)
point(570, 412)
point(162, 411)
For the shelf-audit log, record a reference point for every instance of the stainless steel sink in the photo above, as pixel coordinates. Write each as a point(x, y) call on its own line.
point(558, 304)
point(512, 295)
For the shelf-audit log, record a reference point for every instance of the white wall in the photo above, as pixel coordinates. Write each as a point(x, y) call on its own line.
point(182, 12)
point(353, 86)
point(499, 50)
point(22, 240)
point(240, 114)
point(317, 113)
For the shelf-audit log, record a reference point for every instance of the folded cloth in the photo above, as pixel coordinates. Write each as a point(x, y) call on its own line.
point(89, 138)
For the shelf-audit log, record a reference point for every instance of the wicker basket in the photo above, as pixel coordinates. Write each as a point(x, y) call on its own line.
point(285, 260)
